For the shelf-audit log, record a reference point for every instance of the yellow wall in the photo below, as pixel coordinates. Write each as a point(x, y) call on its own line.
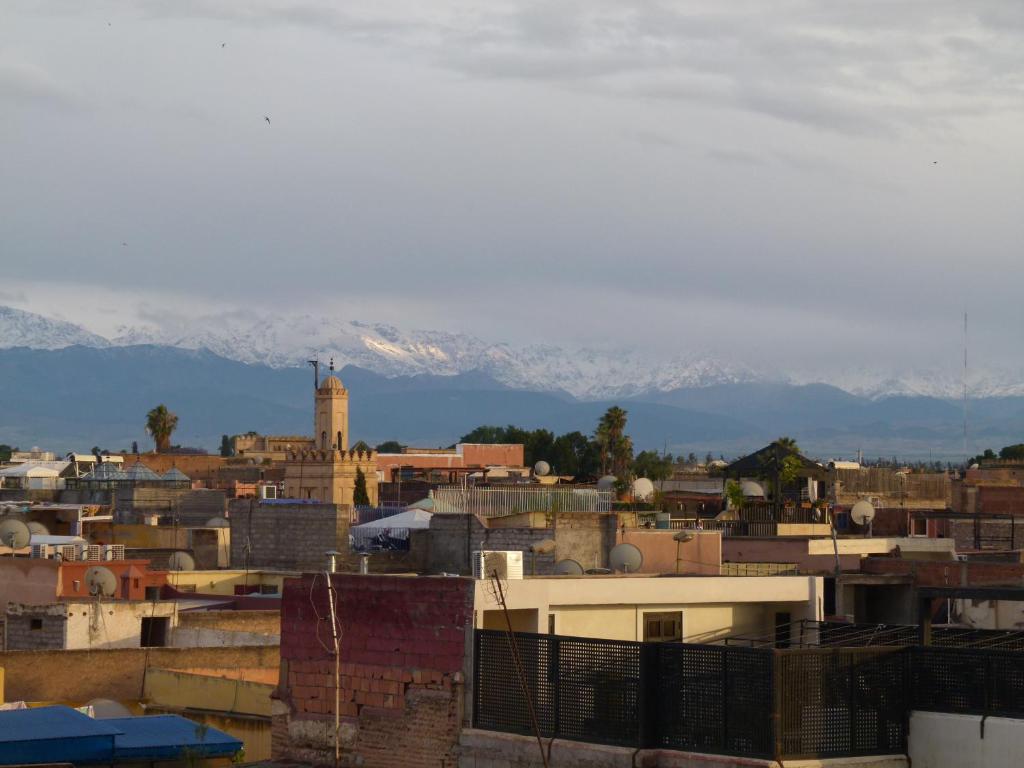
point(224, 582)
point(234, 705)
point(522, 620)
point(611, 622)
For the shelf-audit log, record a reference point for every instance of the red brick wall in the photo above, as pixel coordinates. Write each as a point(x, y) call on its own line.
point(951, 573)
point(403, 649)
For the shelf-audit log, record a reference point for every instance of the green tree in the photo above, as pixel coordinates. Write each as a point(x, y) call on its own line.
point(135, 446)
point(653, 465)
point(616, 448)
point(227, 447)
point(789, 444)
point(734, 493)
point(575, 454)
point(160, 425)
point(988, 455)
point(5, 453)
point(1012, 452)
point(359, 495)
point(390, 446)
point(485, 434)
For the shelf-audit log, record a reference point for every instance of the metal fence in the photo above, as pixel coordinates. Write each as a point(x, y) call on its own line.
point(510, 500)
point(700, 698)
point(841, 702)
point(785, 704)
point(968, 681)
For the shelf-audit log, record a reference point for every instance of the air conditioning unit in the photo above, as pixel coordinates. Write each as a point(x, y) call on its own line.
point(509, 564)
point(67, 552)
point(962, 558)
point(42, 551)
point(92, 552)
point(113, 552)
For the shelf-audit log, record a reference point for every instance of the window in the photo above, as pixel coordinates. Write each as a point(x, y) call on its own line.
point(154, 631)
point(153, 593)
point(35, 624)
point(918, 526)
point(663, 626)
point(551, 623)
point(186, 588)
point(268, 589)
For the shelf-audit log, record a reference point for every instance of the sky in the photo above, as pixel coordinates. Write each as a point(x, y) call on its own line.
point(811, 183)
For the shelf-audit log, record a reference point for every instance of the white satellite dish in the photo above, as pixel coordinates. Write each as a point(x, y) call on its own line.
point(643, 489)
point(607, 483)
point(101, 581)
point(626, 558)
point(38, 529)
point(751, 489)
point(181, 561)
point(862, 512)
point(104, 709)
point(217, 522)
point(541, 468)
point(568, 567)
point(15, 534)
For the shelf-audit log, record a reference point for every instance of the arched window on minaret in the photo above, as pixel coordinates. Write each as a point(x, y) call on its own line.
point(323, 440)
point(338, 446)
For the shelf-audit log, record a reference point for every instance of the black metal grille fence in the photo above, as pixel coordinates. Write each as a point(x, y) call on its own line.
point(968, 681)
point(748, 702)
point(842, 702)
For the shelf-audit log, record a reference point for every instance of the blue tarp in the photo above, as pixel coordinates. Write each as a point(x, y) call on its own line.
point(54, 735)
point(64, 735)
point(168, 737)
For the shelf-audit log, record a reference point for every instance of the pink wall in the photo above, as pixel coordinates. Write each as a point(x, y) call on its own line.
point(742, 549)
point(663, 554)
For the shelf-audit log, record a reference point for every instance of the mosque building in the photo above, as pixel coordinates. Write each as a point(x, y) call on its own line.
point(324, 468)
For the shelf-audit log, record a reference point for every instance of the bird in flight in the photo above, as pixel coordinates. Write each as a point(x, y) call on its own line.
point(223, 45)
point(935, 162)
point(125, 245)
point(267, 119)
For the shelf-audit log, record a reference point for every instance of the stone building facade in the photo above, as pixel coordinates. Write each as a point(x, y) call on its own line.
point(328, 472)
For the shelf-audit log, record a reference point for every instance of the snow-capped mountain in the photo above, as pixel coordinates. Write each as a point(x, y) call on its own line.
point(27, 329)
point(288, 340)
point(291, 340)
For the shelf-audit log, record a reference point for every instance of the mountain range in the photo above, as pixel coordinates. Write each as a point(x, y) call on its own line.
point(289, 340)
point(63, 387)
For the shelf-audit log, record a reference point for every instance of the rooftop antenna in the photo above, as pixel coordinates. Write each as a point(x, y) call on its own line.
point(316, 372)
point(332, 364)
point(966, 456)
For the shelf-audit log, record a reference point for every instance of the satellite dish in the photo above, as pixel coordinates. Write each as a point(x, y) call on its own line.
point(626, 558)
point(104, 709)
point(181, 561)
point(607, 483)
point(862, 512)
point(750, 488)
point(643, 489)
point(15, 534)
point(495, 564)
point(217, 522)
point(38, 529)
point(541, 468)
point(101, 581)
point(568, 568)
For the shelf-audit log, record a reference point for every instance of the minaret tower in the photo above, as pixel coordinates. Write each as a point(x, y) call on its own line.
point(331, 414)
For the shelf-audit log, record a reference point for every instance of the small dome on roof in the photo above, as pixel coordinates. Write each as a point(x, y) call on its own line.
point(331, 384)
point(175, 475)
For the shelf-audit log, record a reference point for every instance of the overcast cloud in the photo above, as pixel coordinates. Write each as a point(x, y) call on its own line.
point(808, 182)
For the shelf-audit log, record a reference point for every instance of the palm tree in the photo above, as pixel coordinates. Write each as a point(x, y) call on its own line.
point(160, 424)
point(788, 444)
point(615, 447)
